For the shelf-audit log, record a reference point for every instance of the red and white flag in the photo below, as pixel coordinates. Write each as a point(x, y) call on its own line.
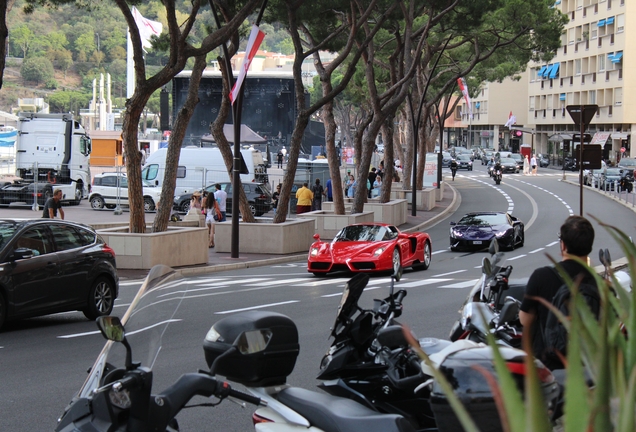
point(256, 37)
point(147, 28)
point(461, 82)
point(511, 120)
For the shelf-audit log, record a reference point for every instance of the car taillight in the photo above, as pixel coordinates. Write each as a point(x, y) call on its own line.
point(260, 419)
point(545, 376)
point(108, 249)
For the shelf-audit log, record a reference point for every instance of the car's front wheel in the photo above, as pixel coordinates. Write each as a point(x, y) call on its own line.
point(97, 202)
point(427, 257)
point(185, 206)
point(149, 204)
point(396, 262)
point(101, 298)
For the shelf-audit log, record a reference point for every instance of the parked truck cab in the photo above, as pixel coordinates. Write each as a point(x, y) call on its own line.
point(52, 152)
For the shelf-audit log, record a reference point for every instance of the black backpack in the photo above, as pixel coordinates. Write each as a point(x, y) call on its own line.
point(555, 336)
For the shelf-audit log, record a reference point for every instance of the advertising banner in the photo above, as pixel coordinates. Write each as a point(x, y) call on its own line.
point(430, 170)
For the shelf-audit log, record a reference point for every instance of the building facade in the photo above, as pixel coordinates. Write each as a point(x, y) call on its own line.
point(592, 67)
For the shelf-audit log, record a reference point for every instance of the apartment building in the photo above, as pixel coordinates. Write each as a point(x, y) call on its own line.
point(594, 66)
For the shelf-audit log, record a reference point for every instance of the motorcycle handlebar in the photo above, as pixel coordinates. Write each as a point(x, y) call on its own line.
point(246, 397)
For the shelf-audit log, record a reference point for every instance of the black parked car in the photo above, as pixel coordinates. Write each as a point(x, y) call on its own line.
point(50, 266)
point(258, 196)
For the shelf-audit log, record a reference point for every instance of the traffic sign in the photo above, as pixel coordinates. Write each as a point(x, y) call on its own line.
point(582, 114)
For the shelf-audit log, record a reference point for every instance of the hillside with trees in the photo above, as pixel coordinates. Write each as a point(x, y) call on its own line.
point(56, 53)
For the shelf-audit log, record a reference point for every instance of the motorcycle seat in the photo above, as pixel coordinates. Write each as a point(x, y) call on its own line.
point(336, 414)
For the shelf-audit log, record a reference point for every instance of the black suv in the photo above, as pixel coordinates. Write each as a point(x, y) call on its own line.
point(258, 196)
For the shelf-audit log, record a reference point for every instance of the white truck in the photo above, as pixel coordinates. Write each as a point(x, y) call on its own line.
point(52, 152)
point(202, 166)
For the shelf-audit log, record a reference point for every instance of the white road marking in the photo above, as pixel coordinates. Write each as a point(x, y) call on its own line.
point(515, 258)
point(553, 243)
point(422, 282)
point(466, 284)
point(324, 282)
point(256, 307)
point(278, 282)
point(450, 273)
point(536, 250)
point(439, 251)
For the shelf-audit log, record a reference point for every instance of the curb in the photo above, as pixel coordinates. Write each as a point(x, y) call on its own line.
point(189, 271)
point(600, 192)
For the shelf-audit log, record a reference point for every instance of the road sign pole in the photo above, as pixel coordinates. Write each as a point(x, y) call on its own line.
point(581, 166)
point(582, 116)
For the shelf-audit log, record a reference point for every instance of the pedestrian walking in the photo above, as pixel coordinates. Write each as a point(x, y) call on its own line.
point(329, 190)
point(533, 164)
point(453, 168)
point(279, 158)
point(221, 197)
point(526, 165)
point(305, 198)
point(372, 176)
point(319, 192)
point(53, 205)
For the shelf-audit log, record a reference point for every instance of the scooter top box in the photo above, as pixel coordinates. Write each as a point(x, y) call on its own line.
point(267, 367)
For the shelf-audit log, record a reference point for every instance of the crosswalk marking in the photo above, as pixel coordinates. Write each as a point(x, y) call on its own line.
point(278, 282)
point(325, 282)
point(466, 284)
point(423, 282)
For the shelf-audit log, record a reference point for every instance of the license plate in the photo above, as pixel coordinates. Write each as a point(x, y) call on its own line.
point(477, 242)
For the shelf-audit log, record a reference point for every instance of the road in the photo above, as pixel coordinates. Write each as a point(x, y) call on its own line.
point(44, 360)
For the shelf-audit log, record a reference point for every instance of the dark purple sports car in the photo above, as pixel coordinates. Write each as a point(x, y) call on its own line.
point(476, 230)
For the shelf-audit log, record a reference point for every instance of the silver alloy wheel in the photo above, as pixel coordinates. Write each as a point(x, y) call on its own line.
point(149, 204)
point(397, 262)
point(103, 297)
point(427, 255)
point(97, 202)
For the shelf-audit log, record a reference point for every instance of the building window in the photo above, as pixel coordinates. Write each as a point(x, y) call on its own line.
point(594, 29)
point(601, 62)
point(618, 96)
point(620, 23)
point(577, 67)
point(592, 96)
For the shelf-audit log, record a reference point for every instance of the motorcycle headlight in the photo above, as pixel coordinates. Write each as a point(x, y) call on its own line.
point(379, 251)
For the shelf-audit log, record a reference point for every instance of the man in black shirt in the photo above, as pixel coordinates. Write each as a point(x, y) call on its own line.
point(576, 240)
point(52, 205)
point(372, 176)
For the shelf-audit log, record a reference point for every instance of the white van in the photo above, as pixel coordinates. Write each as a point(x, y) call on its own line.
point(202, 166)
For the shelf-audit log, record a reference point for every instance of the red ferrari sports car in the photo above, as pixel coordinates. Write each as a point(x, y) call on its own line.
point(369, 247)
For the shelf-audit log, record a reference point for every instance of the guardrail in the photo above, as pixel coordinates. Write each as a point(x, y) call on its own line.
point(614, 189)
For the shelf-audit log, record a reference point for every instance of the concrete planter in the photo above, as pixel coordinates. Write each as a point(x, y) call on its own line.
point(328, 224)
point(291, 236)
point(425, 199)
point(393, 212)
point(178, 246)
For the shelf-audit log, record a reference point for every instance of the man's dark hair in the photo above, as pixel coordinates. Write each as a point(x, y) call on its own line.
point(577, 234)
point(217, 186)
point(317, 181)
point(305, 184)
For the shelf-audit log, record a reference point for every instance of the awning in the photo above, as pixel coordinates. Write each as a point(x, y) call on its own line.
point(610, 21)
point(555, 70)
point(248, 136)
point(562, 96)
point(560, 137)
point(600, 138)
point(617, 57)
point(620, 135)
point(540, 73)
point(601, 23)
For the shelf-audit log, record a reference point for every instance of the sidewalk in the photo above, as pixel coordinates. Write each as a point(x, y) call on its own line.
point(223, 262)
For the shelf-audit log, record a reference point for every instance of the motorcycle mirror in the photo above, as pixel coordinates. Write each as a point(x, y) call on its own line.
point(111, 328)
point(493, 248)
point(254, 341)
point(486, 266)
point(392, 337)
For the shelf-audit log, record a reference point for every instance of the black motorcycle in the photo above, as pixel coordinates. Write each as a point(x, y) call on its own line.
point(496, 175)
point(369, 362)
point(116, 396)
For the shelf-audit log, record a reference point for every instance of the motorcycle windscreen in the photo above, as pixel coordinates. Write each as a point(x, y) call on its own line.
point(349, 301)
point(146, 320)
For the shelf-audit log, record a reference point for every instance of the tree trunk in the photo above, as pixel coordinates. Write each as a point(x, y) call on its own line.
point(174, 148)
point(332, 154)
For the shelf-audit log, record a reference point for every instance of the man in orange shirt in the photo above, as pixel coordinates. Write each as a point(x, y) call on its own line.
point(304, 197)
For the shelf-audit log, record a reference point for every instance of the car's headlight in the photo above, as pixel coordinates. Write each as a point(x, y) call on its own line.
point(455, 233)
point(314, 251)
point(177, 198)
point(379, 251)
point(501, 233)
